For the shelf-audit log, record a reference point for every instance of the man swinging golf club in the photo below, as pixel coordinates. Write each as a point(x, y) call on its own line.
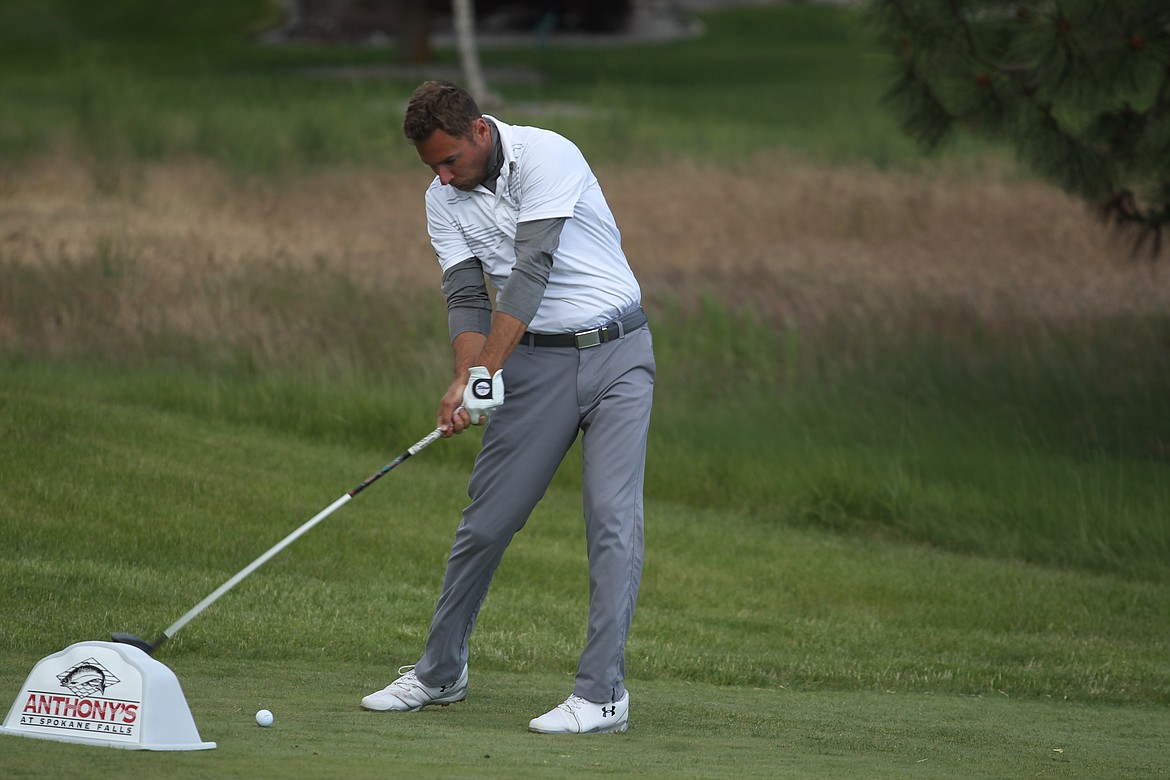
point(565, 350)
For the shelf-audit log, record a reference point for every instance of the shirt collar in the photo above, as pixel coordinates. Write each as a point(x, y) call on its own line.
point(495, 158)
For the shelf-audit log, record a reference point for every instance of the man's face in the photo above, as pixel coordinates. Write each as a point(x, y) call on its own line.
point(460, 162)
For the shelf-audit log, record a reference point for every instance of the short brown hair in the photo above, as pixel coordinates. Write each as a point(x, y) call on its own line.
point(439, 105)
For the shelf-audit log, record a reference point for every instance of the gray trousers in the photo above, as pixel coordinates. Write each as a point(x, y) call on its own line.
point(550, 394)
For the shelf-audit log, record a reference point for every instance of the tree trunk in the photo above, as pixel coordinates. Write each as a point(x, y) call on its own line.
point(464, 13)
point(414, 32)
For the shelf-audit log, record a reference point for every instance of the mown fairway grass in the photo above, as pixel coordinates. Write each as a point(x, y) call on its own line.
point(908, 486)
point(760, 650)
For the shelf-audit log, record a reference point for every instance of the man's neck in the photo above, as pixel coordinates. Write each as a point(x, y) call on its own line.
point(495, 159)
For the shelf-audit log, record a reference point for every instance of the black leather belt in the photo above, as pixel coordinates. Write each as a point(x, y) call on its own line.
point(589, 338)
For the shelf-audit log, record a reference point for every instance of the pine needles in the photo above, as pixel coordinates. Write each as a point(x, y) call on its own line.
point(1080, 88)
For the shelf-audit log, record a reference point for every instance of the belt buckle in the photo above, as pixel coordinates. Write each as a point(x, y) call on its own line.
point(588, 338)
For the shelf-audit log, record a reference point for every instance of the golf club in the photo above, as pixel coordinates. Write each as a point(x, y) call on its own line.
point(149, 647)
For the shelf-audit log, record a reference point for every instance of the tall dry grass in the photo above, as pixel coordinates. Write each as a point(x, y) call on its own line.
point(92, 262)
point(808, 245)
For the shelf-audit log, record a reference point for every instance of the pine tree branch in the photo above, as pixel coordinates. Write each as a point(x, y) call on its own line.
point(968, 36)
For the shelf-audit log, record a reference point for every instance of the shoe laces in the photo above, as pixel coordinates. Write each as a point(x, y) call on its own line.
point(408, 677)
point(574, 703)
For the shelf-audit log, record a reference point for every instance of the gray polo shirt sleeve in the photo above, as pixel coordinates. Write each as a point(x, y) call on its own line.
point(468, 306)
point(536, 242)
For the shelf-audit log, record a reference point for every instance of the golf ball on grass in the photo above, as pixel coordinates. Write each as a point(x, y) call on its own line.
point(264, 718)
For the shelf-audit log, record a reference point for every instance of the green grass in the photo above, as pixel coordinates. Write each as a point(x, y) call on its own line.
point(801, 77)
point(692, 730)
point(148, 86)
point(760, 649)
point(865, 610)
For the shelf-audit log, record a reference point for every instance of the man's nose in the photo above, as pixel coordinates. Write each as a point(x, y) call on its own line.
point(445, 175)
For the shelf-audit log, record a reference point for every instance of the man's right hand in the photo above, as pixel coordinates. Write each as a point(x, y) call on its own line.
point(453, 418)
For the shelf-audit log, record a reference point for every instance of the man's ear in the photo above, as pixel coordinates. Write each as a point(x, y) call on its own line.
point(480, 130)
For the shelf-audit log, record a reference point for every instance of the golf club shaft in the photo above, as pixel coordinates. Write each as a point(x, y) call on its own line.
point(286, 541)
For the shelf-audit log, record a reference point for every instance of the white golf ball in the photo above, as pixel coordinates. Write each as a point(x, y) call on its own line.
point(264, 718)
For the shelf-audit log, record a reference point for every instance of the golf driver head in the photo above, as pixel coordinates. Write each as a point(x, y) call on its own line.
point(137, 641)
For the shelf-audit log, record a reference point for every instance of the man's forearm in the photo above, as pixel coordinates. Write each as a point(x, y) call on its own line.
point(466, 347)
point(517, 303)
point(505, 335)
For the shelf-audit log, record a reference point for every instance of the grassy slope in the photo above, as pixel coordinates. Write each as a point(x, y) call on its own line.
point(766, 648)
point(171, 493)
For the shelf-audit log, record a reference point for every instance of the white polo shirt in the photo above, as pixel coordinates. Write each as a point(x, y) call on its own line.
point(544, 176)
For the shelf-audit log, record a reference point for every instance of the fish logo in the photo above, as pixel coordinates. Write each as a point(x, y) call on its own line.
point(88, 678)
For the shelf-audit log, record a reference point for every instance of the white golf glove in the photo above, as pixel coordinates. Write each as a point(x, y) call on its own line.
point(484, 393)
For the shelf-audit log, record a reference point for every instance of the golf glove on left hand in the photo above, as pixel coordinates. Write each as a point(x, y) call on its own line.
point(484, 393)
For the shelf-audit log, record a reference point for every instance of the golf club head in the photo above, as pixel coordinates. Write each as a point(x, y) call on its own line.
point(139, 642)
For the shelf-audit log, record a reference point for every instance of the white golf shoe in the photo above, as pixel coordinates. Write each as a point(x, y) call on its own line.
point(578, 716)
point(407, 694)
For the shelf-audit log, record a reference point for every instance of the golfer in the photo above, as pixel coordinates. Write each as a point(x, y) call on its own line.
point(565, 349)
